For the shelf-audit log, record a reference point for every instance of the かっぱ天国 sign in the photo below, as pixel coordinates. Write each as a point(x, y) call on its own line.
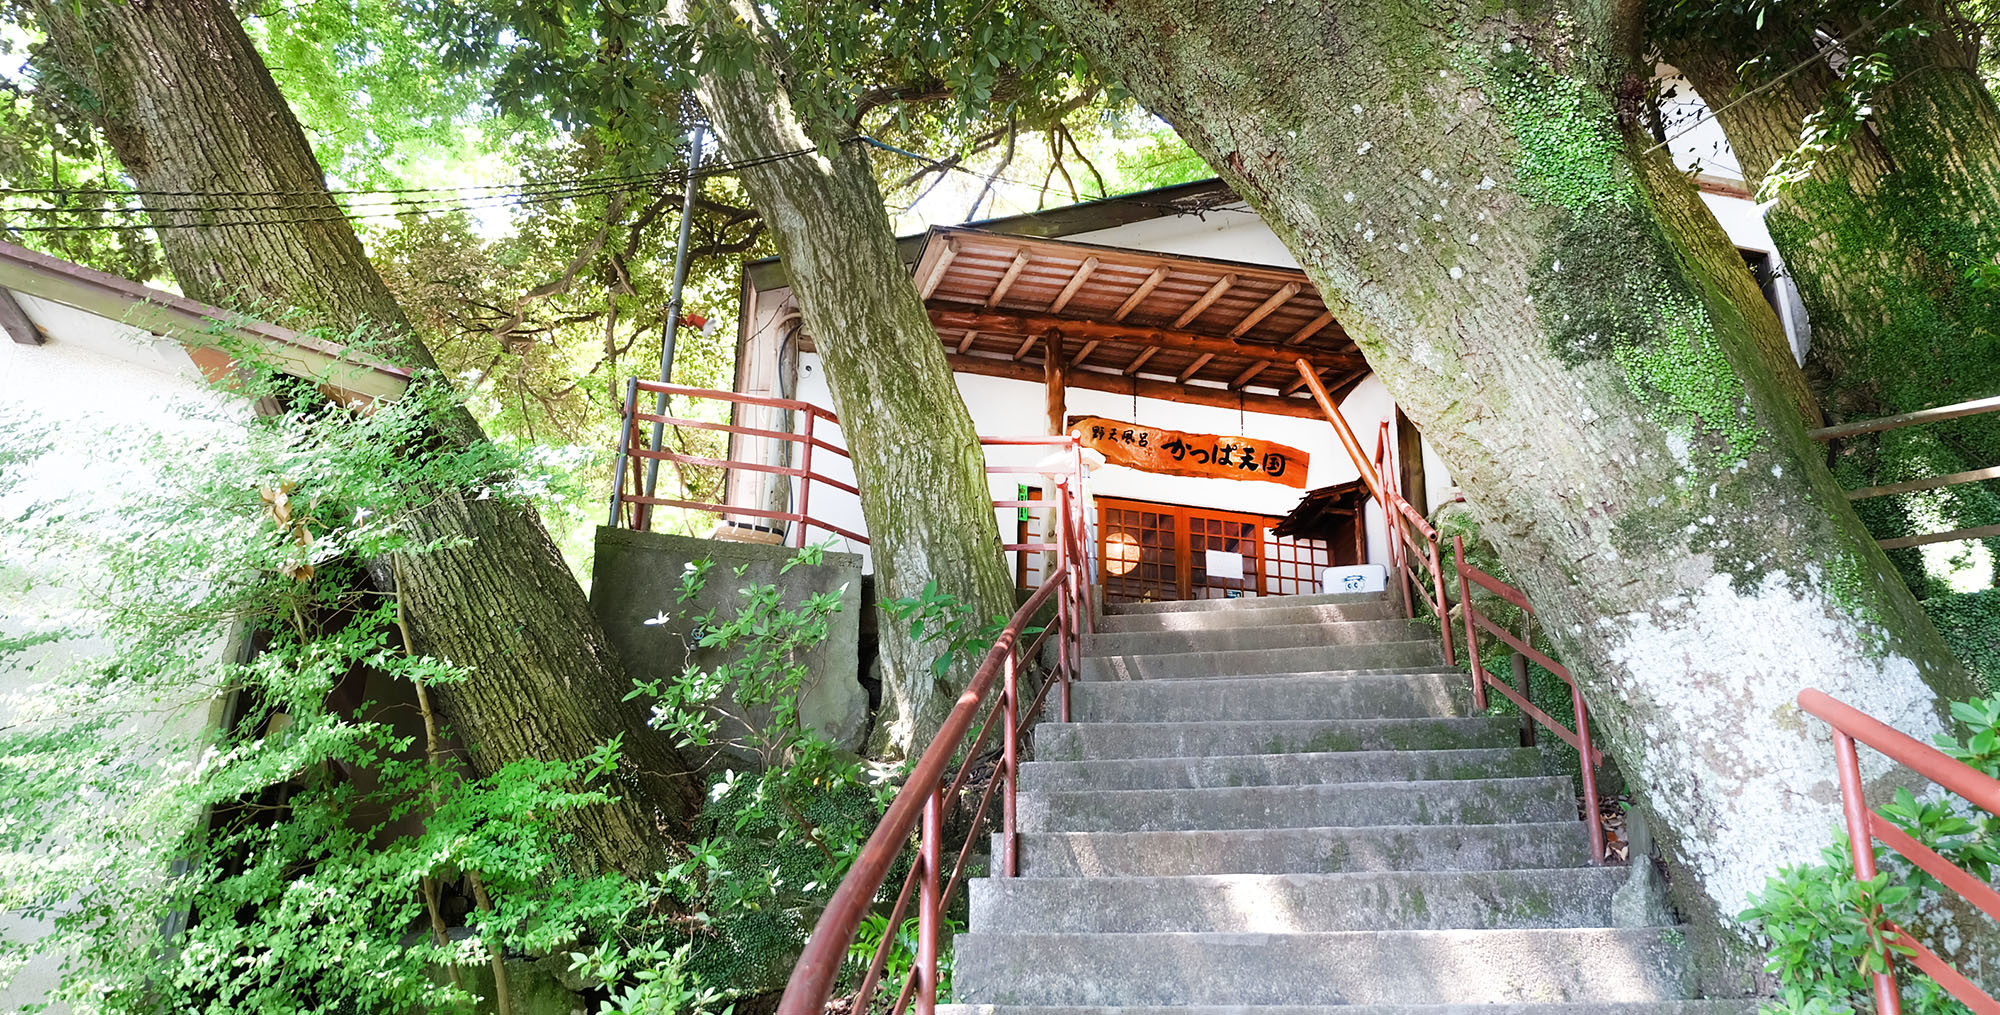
point(1173, 453)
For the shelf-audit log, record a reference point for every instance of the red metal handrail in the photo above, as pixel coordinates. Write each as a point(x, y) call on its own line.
point(1588, 756)
point(1402, 518)
point(1866, 826)
point(633, 448)
point(919, 807)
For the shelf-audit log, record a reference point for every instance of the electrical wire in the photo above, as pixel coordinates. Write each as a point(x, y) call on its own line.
point(517, 196)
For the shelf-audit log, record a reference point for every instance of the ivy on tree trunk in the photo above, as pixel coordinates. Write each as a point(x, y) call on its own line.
point(1886, 232)
point(1574, 335)
point(189, 107)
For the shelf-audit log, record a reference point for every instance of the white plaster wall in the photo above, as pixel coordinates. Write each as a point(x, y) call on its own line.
point(1010, 408)
point(1234, 233)
point(95, 387)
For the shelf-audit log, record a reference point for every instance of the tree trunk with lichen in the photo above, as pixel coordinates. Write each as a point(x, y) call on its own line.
point(189, 108)
point(1576, 337)
point(921, 470)
point(1879, 233)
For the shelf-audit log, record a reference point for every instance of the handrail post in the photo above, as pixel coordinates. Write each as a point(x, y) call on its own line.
point(1471, 632)
point(624, 448)
point(1066, 604)
point(931, 855)
point(1010, 764)
point(1592, 821)
point(1861, 845)
point(1444, 617)
point(806, 479)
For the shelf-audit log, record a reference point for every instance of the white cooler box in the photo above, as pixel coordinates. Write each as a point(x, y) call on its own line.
point(1354, 578)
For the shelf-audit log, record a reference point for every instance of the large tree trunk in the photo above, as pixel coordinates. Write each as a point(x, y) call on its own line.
point(1879, 237)
point(188, 106)
point(922, 472)
point(1577, 339)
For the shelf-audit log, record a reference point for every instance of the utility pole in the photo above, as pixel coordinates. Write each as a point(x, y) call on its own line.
point(673, 326)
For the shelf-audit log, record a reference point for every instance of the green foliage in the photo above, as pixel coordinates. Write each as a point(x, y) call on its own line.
point(1613, 283)
point(1824, 925)
point(775, 841)
point(942, 617)
point(1970, 624)
point(279, 807)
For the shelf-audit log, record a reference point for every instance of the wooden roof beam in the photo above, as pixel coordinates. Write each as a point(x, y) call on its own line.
point(937, 271)
point(1009, 323)
point(14, 321)
point(1313, 327)
point(1084, 353)
point(1140, 360)
point(1007, 279)
point(1278, 299)
point(1096, 380)
point(1244, 377)
point(1026, 344)
point(966, 342)
point(1076, 282)
point(1139, 295)
point(1222, 285)
point(1195, 367)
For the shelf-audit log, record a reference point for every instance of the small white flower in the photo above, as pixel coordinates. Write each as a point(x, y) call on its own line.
point(1486, 183)
point(1348, 197)
point(1475, 239)
point(1427, 175)
point(1369, 236)
point(1365, 147)
point(1457, 272)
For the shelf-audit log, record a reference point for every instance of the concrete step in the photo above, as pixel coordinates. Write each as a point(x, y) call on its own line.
point(1363, 600)
point(1280, 769)
point(1520, 846)
point(1351, 968)
point(1277, 611)
point(1356, 696)
point(1081, 741)
point(1299, 903)
point(1388, 655)
point(1743, 1007)
point(1454, 802)
point(1254, 631)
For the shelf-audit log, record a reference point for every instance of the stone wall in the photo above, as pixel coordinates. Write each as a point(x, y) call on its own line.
point(638, 576)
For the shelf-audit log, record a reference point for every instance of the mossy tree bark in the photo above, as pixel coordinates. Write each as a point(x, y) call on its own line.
point(1879, 236)
point(922, 472)
point(1577, 338)
point(188, 106)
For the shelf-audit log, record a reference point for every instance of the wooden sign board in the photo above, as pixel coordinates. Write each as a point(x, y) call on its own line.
point(1173, 453)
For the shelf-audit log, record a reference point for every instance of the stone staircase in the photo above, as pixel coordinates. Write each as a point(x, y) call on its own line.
point(1278, 807)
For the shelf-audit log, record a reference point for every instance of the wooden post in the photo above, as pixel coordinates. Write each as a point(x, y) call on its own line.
point(1410, 451)
point(1053, 377)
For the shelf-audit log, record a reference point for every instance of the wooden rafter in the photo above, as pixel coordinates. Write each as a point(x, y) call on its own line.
point(14, 321)
point(1026, 344)
point(966, 342)
point(1009, 323)
point(1096, 380)
point(1313, 327)
point(1140, 360)
point(1083, 353)
point(1222, 285)
point(1263, 310)
point(1195, 367)
point(1007, 279)
point(1076, 282)
point(1139, 295)
point(1245, 377)
point(937, 271)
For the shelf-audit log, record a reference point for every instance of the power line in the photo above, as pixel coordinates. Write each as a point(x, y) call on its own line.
point(516, 198)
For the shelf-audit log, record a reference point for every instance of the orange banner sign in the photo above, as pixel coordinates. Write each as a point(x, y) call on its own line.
point(1172, 453)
